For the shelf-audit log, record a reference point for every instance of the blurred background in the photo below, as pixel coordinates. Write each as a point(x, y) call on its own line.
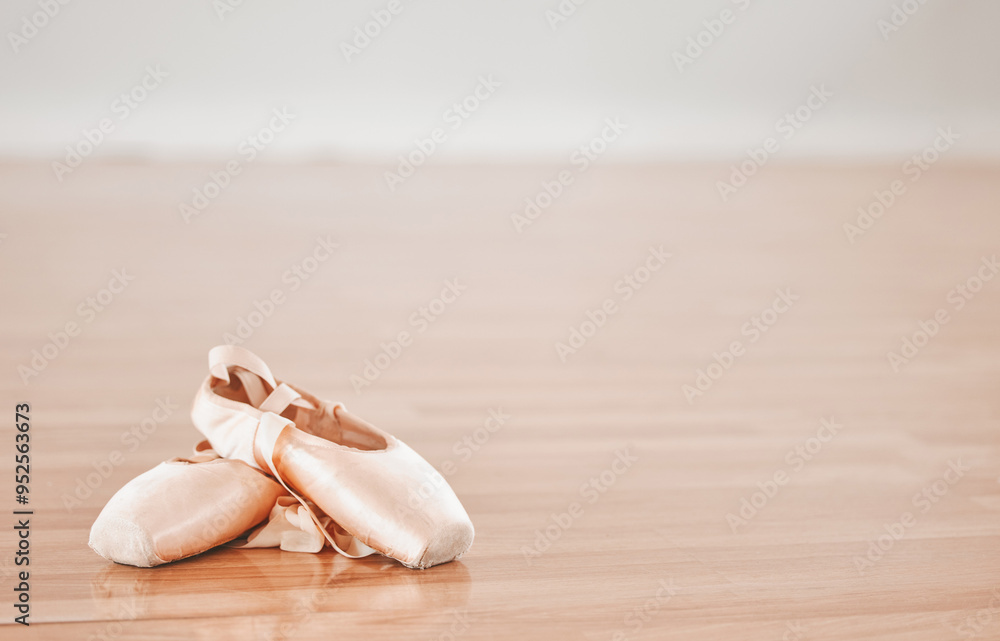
point(693, 80)
point(579, 213)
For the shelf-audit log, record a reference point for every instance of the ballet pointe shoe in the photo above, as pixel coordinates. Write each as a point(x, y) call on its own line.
point(182, 507)
point(371, 484)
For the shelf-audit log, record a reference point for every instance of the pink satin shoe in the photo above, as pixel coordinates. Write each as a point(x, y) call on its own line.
point(182, 507)
point(364, 479)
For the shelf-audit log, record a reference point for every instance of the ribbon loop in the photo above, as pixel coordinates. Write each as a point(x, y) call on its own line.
point(222, 357)
point(278, 400)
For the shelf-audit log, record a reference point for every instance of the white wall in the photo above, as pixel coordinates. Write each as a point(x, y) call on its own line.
point(610, 58)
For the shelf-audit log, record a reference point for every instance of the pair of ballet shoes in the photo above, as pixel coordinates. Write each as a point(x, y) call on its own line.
point(282, 468)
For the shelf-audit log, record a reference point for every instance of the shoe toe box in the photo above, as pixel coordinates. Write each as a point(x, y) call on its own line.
point(448, 542)
point(120, 539)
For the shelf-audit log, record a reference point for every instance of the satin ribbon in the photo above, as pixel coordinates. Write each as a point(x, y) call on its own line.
point(253, 373)
point(287, 527)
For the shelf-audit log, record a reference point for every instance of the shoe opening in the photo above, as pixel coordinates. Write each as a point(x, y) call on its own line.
point(325, 420)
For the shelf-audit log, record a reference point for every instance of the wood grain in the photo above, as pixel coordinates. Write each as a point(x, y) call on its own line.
point(644, 550)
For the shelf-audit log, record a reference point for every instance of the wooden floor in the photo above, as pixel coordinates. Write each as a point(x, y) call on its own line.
point(608, 505)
